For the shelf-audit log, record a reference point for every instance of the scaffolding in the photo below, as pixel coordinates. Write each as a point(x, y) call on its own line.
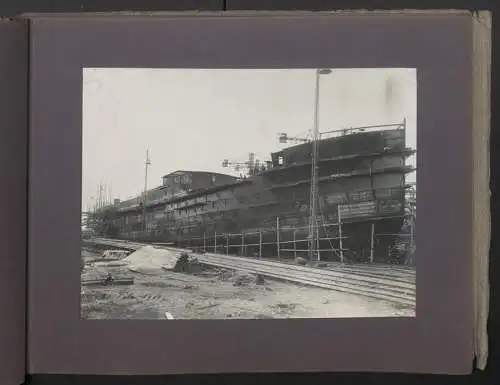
point(291, 242)
point(287, 241)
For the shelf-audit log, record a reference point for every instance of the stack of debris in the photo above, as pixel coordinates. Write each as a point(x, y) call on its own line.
point(186, 264)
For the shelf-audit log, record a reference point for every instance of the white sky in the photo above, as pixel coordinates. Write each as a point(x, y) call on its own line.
point(193, 119)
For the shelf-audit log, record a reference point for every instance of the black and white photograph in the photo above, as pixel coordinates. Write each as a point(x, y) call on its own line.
point(248, 193)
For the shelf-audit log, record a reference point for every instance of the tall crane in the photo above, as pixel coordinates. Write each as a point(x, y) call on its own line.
point(284, 138)
point(251, 166)
point(314, 199)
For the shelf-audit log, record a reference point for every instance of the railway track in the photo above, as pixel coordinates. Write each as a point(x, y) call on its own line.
point(378, 282)
point(402, 293)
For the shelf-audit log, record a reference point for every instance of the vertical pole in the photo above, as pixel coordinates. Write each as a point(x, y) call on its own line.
point(215, 242)
point(372, 242)
point(294, 244)
point(314, 164)
point(318, 256)
point(341, 244)
point(99, 195)
point(260, 244)
point(204, 241)
point(227, 244)
point(242, 245)
point(146, 165)
point(411, 234)
point(404, 136)
point(278, 237)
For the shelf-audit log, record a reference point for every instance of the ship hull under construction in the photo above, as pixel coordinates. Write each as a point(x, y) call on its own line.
point(362, 210)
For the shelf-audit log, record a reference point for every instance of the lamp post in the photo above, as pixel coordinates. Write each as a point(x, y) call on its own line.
point(313, 225)
point(147, 163)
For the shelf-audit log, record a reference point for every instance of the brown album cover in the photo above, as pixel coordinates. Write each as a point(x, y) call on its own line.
point(237, 193)
point(13, 198)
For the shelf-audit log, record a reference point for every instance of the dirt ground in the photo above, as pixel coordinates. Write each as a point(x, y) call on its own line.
point(217, 294)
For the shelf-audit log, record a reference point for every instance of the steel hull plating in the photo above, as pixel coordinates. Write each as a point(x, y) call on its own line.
point(361, 205)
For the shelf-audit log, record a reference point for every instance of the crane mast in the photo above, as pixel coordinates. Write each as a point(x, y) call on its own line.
point(313, 200)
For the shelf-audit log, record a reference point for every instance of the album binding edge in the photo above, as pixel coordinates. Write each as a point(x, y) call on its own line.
point(13, 199)
point(481, 33)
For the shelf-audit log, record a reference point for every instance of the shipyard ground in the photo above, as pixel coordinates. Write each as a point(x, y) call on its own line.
point(218, 294)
